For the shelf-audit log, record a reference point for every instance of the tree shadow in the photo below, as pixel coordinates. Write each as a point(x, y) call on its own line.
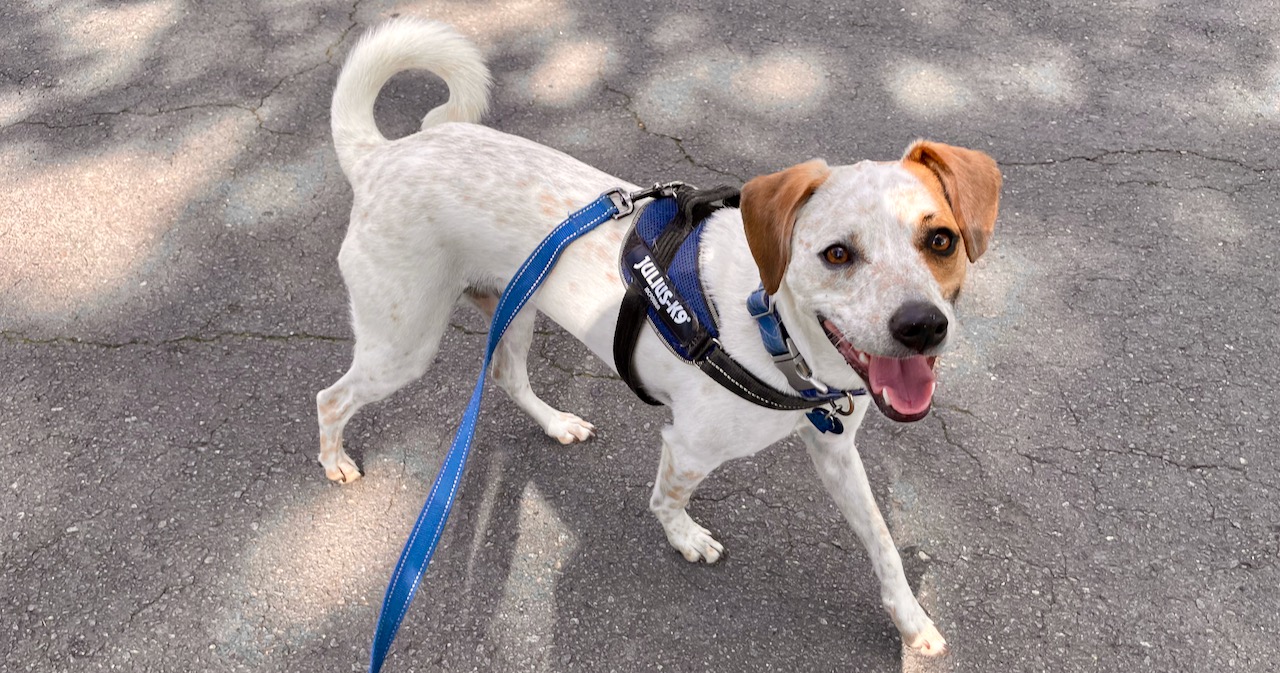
point(219, 305)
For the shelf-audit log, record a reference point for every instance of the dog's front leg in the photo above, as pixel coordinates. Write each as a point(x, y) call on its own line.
point(679, 473)
point(838, 464)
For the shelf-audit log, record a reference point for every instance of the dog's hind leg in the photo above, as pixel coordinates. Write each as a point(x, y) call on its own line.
point(398, 330)
point(510, 370)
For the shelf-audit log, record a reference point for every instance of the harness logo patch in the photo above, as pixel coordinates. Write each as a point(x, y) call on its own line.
point(659, 294)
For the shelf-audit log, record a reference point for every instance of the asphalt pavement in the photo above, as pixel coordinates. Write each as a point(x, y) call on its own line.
point(1095, 489)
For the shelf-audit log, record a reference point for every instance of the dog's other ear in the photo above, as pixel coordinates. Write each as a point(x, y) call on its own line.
point(970, 184)
point(769, 206)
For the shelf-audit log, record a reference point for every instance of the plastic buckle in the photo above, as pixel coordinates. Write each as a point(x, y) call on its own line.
point(759, 304)
point(796, 370)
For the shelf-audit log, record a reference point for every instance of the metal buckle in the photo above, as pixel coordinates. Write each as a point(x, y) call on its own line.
point(625, 202)
point(622, 202)
point(835, 404)
point(658, 189)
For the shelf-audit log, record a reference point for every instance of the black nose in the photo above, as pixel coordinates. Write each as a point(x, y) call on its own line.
point(918, 326)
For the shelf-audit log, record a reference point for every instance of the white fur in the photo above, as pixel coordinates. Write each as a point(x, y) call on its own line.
point(449, 213)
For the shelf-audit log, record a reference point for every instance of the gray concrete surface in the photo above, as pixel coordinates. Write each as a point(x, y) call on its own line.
point(1095, 491)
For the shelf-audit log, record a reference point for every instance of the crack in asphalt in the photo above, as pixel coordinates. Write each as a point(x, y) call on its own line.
point(1099, 158)
point(95, 118)
point(19, 338)
point(352, 23)
point(1261, 174)
point(629, 106)
point(946, 435)
point(555, 364)
point(145, 605)
point(1163, 184)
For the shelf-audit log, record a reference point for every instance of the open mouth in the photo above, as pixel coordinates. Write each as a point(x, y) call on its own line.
point(901, 387)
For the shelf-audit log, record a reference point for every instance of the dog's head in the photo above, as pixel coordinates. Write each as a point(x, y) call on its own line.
point(866, 262)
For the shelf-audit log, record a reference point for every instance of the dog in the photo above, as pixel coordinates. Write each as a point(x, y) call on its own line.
point(864, 263)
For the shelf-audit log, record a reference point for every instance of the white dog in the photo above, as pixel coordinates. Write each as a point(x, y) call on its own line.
point(863, 262)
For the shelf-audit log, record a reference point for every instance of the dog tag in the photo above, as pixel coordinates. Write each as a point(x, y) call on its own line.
point(824, 421)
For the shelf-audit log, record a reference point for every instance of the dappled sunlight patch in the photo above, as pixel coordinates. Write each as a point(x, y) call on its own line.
point(1045, 81)
point(327, 553)
point(781, 81)
point(568, 72)
point(927, 90)
point(75, 231)
point(489, 22)
point(669, 101)
point(16, 105)
point(113, 38)
point(678, 91)
point(1243, 102)
point(525, 619)
point(679, 31)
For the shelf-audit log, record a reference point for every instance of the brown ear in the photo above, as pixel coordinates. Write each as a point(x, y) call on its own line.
point(769, 206)
point(970, 183)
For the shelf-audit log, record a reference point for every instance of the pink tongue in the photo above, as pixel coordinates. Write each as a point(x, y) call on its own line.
point(910, 380)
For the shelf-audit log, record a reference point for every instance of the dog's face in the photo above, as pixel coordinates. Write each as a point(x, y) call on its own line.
point(867, 261)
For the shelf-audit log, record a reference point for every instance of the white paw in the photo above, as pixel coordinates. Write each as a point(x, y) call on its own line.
point(567, 428)
point(695, 543)
point(928, 641)
point(343, 470)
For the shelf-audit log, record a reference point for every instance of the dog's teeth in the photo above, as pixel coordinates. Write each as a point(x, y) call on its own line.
point(864, 358)
point(888, 399)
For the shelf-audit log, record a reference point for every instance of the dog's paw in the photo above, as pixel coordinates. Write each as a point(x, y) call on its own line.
point(567, 428)
point(928, 642)
point(343, 470)
point(696, 544)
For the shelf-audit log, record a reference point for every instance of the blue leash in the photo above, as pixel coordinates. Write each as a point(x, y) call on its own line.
point(426, 531)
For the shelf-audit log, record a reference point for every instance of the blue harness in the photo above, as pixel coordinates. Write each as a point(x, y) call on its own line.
point(660, 264)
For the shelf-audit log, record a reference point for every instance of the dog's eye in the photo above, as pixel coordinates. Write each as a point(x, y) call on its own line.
point(942, 242)
point(837, 255)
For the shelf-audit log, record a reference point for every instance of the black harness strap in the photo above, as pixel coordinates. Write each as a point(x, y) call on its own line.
point(692, 206)
point(727, 372)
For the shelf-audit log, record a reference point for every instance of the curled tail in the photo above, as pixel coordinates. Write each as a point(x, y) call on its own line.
point(395, 46)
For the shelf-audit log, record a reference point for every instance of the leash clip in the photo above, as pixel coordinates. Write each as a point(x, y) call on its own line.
point(623, 202)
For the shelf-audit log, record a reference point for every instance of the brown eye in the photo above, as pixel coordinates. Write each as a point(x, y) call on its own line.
point(837, 255)
point(942, 242)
